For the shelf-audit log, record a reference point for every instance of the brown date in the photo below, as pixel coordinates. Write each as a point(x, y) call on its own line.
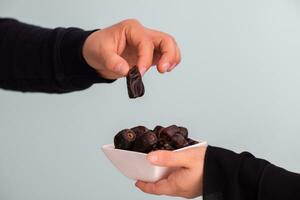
point(135, 86)
point(124, 139)
point(145, 142)
point(141, 139)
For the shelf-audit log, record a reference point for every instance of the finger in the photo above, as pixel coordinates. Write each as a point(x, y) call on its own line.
point(115, 63)
point(167, 47)
point(145, 55)
point(156, 57)
point(161, 187)
point(177, 59)
point(170, 158)
point(146, 187)
point(137, 37)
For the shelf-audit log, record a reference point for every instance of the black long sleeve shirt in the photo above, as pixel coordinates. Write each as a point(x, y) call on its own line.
point(50, 60)
point(232, 176)
point(38, 59)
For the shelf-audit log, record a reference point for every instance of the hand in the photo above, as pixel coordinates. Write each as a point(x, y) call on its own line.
point(113, 50)
point(186, 181)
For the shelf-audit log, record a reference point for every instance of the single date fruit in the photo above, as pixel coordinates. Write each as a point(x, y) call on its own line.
point(168, 132)
point(183, 131)
point(135, 84)
point(124, 139)
point(178, 141)
point(139, 130)
point(145, 142)
point(157, 130)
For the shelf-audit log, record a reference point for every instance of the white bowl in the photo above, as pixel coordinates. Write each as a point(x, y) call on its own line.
point(135, 165)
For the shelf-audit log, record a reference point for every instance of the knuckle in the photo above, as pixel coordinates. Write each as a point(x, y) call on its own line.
point(170, 38)
point(131, 22)
point(147, 45)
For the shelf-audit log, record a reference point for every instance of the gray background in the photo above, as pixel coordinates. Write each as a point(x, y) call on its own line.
point(238, 87)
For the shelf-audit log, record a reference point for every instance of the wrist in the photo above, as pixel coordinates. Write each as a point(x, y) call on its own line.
point(89, 51)
point(76, 69)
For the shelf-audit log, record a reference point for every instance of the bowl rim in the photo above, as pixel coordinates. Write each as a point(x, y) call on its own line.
point(111, 146)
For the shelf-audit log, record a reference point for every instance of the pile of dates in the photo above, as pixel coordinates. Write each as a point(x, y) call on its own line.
point(142, 139)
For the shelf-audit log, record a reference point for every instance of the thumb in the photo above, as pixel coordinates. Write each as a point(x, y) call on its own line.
point(116, 64)
point(169, 158)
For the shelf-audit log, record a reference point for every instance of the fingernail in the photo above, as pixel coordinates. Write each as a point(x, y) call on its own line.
point(142, 71)
point(172, 67)
point(118, 68)
point(152, 158)
point(166, 66)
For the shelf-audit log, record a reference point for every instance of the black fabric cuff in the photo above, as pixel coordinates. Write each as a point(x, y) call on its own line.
point(75, 70)
point(231, 176)
point(278, 183)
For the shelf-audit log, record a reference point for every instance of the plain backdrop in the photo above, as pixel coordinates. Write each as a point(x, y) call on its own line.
point(238, 87)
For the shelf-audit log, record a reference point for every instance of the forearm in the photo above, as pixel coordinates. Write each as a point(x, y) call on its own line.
point(43, 60)
point(277, 183)
point(232, 176)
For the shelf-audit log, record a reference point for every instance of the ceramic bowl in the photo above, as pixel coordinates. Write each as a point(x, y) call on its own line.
point(135, 165)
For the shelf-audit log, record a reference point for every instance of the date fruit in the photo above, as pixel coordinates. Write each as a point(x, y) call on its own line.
point(168, 132)
point(139, 130)
point(142, 139)
point(145, 142)
point(135, 86)
point(124, 139)
point(183, 131)
point(178, 141)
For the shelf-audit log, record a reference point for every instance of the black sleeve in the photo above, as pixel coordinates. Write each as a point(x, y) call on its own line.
point(231, 176)
point(36, 59)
